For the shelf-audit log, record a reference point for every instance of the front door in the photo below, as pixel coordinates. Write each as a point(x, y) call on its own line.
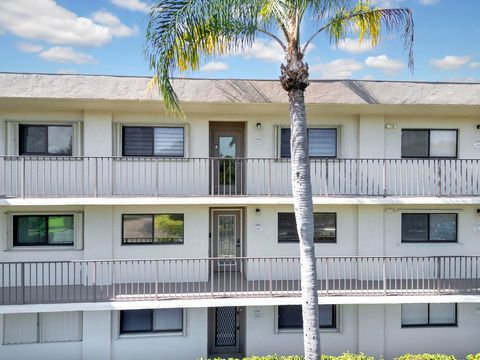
point(227, 151)
point(226, 239)
point(225, 331)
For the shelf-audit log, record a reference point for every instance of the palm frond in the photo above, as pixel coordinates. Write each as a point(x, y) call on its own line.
point(181, 32)
point(367, 21)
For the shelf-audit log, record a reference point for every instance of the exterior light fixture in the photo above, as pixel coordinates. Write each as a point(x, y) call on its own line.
point(259, 125)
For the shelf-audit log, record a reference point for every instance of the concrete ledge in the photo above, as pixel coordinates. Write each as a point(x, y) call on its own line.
point(238, 200)
point(202, 303)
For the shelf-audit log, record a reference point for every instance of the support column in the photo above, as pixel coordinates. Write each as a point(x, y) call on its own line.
point(371, 134)
point(371, 326)
point(97, 133)
point(97, 335)
point(98, 233)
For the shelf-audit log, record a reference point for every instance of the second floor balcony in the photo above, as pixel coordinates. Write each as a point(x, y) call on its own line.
point(233, 277)
point(32, 177)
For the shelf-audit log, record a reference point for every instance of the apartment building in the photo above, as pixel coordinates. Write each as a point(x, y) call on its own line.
point(129, 233)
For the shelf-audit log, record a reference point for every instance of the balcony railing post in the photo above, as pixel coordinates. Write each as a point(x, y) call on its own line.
point(326, 277)
point(23, 282)
point(438, 261)
point(270, 282)
point(22, 190)
point(384, 178)
point(156, 279)
point(211, 277)
point(384, 276)
point(96, 177)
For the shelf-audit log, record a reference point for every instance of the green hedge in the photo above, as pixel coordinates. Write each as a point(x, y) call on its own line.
point(426, 357)
point(361, 356)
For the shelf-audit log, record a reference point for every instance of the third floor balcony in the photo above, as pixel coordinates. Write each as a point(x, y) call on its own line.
point(51, 176)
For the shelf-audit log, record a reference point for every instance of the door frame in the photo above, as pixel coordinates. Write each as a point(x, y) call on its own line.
point(213, 350)
point(227, 127)
point(241, 227)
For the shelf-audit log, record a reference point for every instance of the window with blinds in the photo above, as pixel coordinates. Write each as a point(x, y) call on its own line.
point(153, 141)
point(321, 142)
point(416, 315)
point(42, 327)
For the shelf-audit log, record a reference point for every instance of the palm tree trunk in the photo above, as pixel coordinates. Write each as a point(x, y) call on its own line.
point(295, 81)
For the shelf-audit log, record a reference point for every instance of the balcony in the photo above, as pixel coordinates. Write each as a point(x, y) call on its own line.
point(37, 177)
point(238, 277)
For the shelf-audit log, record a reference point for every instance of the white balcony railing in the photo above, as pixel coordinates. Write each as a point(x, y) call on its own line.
point(126, 280)
point(125, 176)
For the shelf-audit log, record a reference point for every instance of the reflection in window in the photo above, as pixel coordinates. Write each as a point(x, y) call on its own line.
point(153, 229)
point(429, 227)
point(325, 227)
point(46, 140)
point(34, 230)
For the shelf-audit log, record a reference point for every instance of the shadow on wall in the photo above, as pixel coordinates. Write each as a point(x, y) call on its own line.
point(242, 91)
point(360, 89)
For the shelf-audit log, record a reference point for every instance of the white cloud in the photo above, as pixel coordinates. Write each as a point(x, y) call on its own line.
point(46, 20)
point(268, 51)
point(451, 62)
point(106, 18)
point(368, 77)
point(337, 69)
point(354, 46)
point(66, 55)
point(214, 66)
point(134, 5)
point(429, 2)
point(474, 65)
point(383, 62)
point(28, 47)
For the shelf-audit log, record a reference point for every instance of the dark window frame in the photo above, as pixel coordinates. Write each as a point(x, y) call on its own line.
point(21, 144)
point(153, 230)
point(151, 331)
point(334, 241)
point(153, 127)
point(454, 324)
point(46, 216)
point(334, 319)
point(311, 156)
point(428, 230)
point(429, 156)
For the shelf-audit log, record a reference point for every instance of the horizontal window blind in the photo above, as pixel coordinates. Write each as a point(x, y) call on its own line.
point(137, 141)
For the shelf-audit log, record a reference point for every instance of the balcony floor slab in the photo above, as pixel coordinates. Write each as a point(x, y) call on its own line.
point(239, 200)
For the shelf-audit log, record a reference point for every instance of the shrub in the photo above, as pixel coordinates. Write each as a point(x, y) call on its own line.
point(473, 356)
point(348, 356)
point(426, 357)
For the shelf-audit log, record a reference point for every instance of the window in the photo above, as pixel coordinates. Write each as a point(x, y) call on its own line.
point(429, 315)
point(290, 317)
point(42, 327)
point(153, 141)
point(53, 140)
point(152, 229)
point(429, 143)
point(321, 143)
point(151, 321)
point(325, 227)
point(43, 230)
point(429, 227)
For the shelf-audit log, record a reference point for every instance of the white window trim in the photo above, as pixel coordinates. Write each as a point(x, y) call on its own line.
point(118, 130)
point(278, 137)
point(119, 336)
point(337, 329)
point(77, 230)
point(13, 134)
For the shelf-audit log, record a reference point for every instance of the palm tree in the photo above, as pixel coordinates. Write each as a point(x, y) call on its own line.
point(182, 33)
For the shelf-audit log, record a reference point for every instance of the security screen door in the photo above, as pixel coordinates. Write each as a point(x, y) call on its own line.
point(227, 151)
point(225, 331)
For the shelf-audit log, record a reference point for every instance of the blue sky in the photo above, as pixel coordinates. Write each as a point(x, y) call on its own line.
point(107, 37)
